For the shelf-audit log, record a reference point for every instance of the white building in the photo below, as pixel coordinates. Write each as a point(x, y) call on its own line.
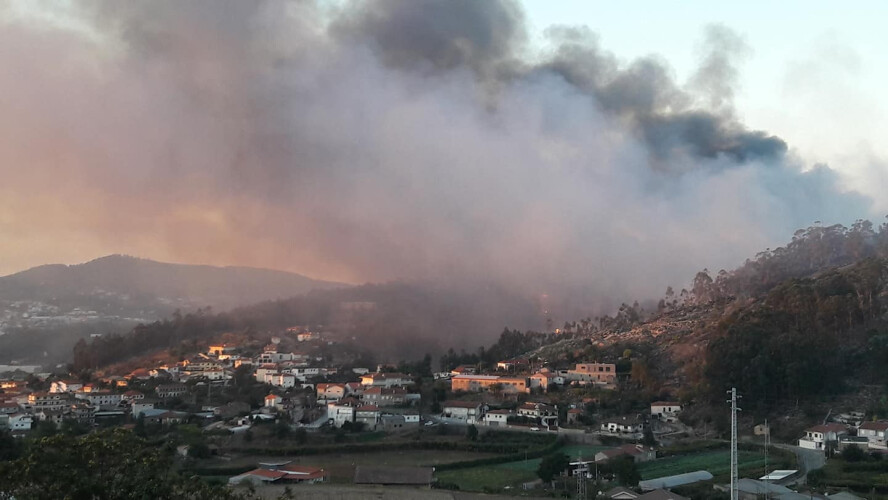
point(665, 410)
point(875, 433)
point(341, 412)
point(20, 422)
point(468, 412)
point(816, 437)
point(621, 426)
point(499, 418)
point(65, 386)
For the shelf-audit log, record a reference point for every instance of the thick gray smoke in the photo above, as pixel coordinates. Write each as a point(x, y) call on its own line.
point(414, 139)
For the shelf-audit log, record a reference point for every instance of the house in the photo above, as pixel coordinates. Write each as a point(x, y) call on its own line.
point(816, 437)
point(620, 493)
point(138, 407)
point(382, 396)
point(665, 410)
point(283, 380)
point(20, 422)
point(54, 416)
point(65, 386)
point(469, 412)
point(273, 401)
point(661, 494)
point(303, 474)
point(166, 391)
point(573, 416)
point(132, 396)
point(48, 400)
point(639, 453)
point(483, 383)
point(464, 370)
point(368, 415)
point(498, 418)
point(625, 426)
point(330, 392)
point(342, 411)
point(100, 398)
point(761, 430)
point(219, 349)
point(874, 432)
point(163, 417)
point(512, 364)
point(385, 379)
point(537, 410)
point(9, 407)
point(395, 476)
point(545, 378)
point(600, 374)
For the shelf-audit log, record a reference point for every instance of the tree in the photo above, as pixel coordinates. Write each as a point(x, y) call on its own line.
point(648, 438)
point(853, 453)
point(625, 470)
point(111, 464)
point(552, 465)
point(472, 433)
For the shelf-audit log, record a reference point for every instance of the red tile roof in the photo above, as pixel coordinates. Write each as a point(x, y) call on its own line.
point(875, 426)
point(270, 474)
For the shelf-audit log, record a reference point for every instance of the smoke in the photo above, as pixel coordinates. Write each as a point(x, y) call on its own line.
point(398, 139)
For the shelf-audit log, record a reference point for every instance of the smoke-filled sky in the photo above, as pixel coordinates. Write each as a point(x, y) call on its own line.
point(399, 139)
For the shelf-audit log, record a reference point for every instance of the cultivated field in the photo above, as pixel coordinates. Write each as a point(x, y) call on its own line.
point(511, 474)
point(716, 462)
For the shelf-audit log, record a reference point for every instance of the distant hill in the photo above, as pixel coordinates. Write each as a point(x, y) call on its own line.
point(119, 284)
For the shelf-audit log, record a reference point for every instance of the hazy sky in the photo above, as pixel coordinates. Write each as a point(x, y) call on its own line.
point(604, 148)
point(814, 72)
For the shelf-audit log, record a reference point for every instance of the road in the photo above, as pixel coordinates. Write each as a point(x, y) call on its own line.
point(808, 460)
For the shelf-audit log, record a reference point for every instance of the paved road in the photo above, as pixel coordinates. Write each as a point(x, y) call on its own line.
point(808, 459)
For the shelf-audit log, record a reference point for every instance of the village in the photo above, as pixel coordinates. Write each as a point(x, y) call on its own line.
point(239, 396)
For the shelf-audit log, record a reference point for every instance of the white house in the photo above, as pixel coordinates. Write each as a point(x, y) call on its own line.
point(665, 410)
point(65, 386)
point(816, 437)
point(140, 407)
point(342, 411)
point(272, 401)
point(469, 412)
point(621, 426)
point(384, 379)
point(874, 432)
point(20, 422)
point(498, 418)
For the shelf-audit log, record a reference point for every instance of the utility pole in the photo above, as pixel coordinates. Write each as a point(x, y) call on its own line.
point(580, 470)
point(734, 410)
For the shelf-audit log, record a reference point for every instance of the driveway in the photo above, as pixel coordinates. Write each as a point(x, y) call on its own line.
point(808, 460)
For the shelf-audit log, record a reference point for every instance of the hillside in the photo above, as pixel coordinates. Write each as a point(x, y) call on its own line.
point(45, 310)
point(797, 323)
point(120, 284)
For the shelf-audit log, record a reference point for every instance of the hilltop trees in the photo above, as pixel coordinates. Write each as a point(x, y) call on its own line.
point(114, 464)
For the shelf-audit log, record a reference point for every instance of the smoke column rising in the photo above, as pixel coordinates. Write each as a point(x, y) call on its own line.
point(396, 139)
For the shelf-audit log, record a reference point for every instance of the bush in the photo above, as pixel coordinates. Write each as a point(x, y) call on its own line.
point(853, 453)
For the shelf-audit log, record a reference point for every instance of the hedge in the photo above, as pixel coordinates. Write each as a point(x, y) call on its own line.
point(512, 447)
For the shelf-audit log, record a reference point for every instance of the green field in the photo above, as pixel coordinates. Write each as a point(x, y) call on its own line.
point(492, 476)
point(510, 473)
point(573, 451)
point(716, 462)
